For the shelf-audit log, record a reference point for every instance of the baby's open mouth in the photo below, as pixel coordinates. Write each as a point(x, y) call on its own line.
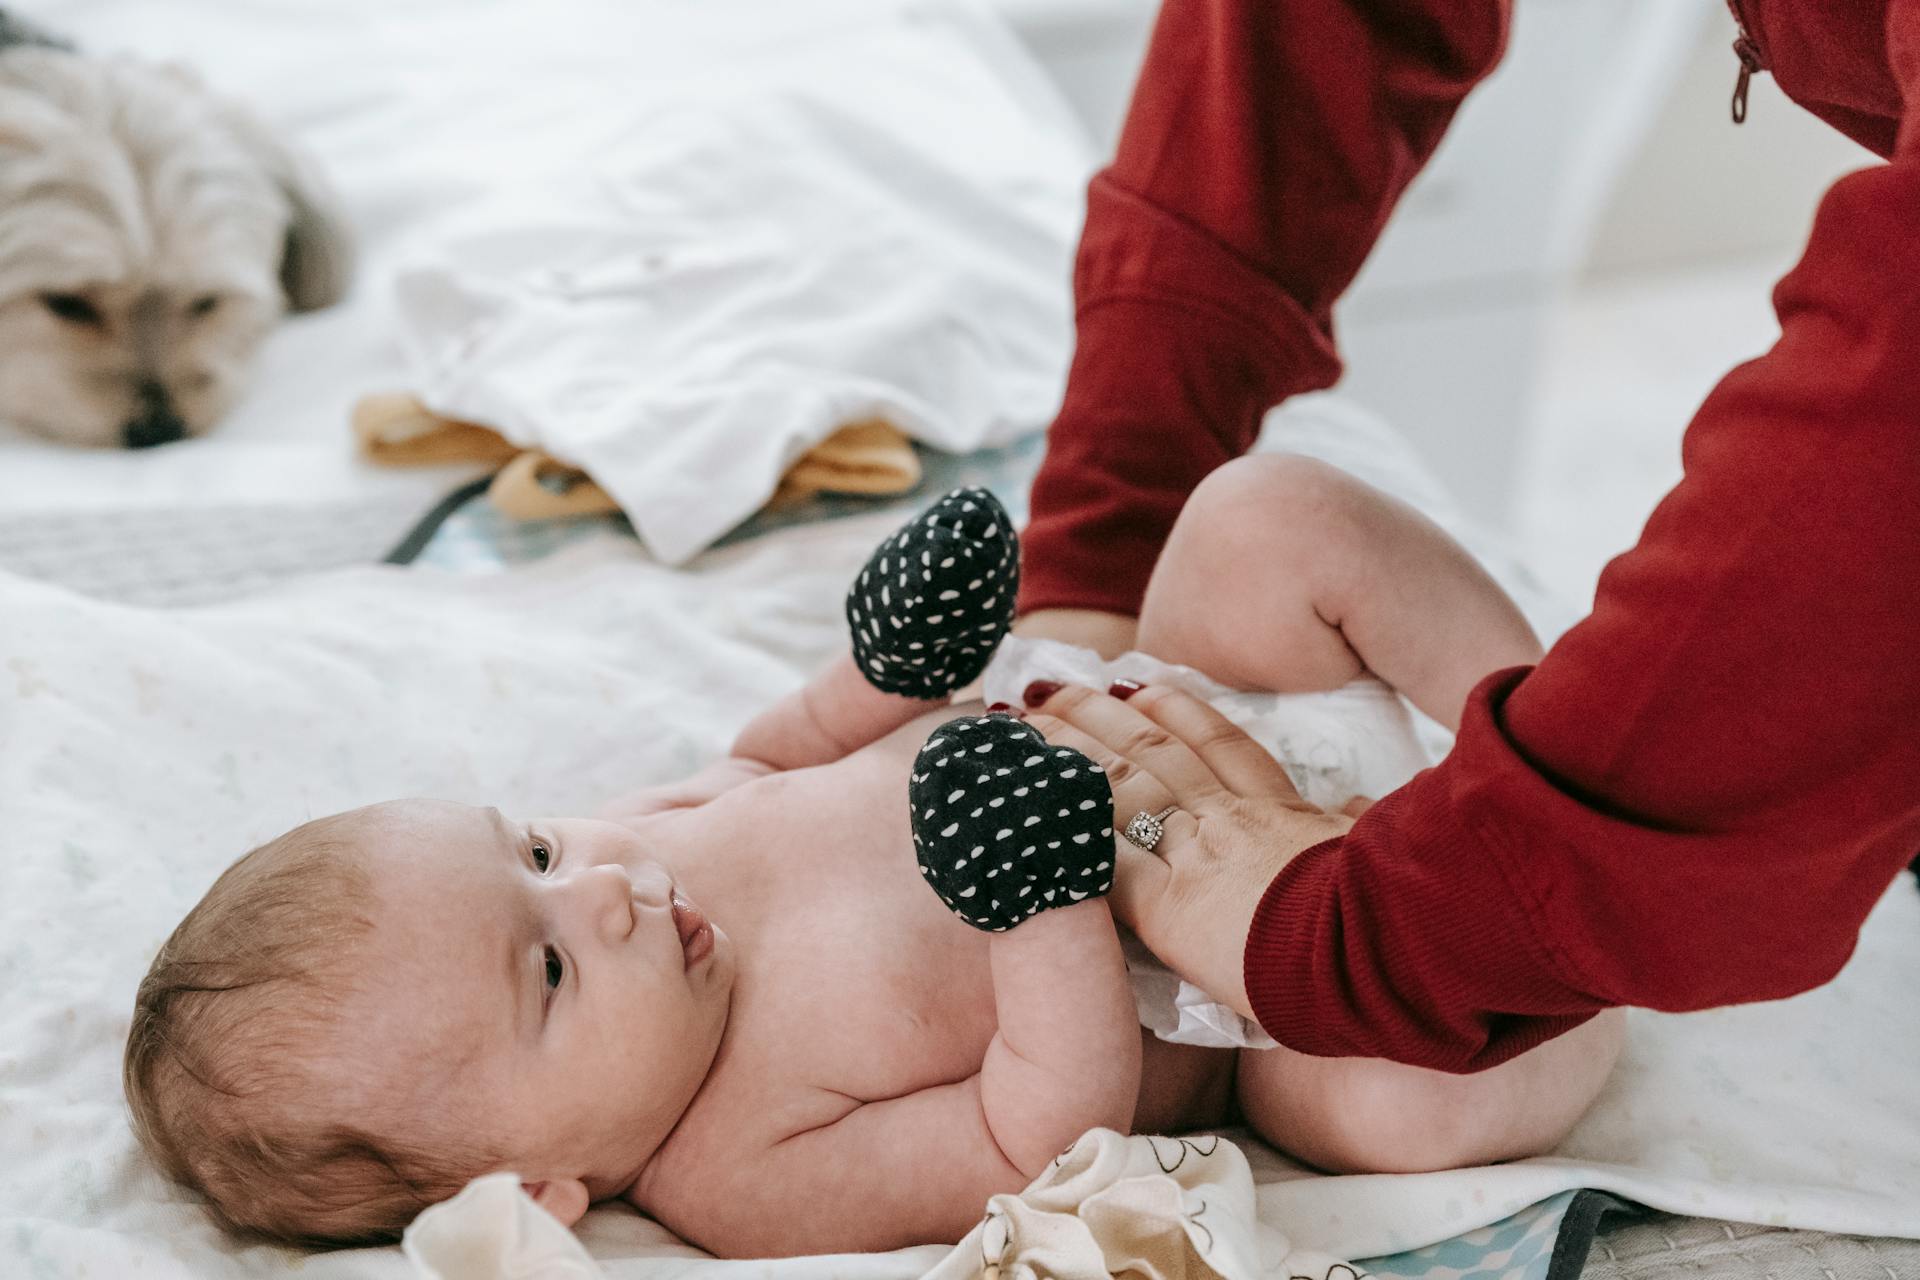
point(696, 935)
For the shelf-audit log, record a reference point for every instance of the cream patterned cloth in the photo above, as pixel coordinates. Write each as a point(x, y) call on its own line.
point(1148, 1207)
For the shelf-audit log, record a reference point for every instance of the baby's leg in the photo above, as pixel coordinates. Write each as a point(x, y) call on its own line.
point(1367, 1115)
point(1285, 573)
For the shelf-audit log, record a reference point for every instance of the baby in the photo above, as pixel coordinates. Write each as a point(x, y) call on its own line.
point(734, 1002)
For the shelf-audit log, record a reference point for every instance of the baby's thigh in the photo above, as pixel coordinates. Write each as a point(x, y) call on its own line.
point(1260, 547)
point(1368, 1115)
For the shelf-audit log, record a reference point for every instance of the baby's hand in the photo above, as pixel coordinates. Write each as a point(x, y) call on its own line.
point(936, 598)
point(926, 613)
point(1007, 825)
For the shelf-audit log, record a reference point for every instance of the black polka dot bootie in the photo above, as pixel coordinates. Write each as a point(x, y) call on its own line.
point(1007, 825)
point(936, 598)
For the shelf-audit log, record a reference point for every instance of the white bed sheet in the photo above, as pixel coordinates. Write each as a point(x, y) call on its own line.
point(140, 751)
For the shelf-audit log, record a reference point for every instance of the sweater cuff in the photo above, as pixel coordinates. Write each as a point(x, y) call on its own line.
point(1407, 939)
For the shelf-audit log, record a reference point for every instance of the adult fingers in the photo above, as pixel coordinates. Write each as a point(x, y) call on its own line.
point(1135, 788)
point(1142, 880)
point(1240, 763)
point(1135, 738)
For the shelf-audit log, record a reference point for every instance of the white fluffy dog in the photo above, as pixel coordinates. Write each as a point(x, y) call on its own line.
point(150, 236)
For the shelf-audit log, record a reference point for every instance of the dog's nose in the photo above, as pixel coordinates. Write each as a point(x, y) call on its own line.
point(156, 423)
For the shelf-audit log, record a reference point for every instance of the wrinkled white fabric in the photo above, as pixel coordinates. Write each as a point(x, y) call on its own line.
point(1354, 741)
point(493, 1230)
point(876, 225)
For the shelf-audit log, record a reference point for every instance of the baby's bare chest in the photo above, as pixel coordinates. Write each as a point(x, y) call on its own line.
point(859, 984)
point(868, 984)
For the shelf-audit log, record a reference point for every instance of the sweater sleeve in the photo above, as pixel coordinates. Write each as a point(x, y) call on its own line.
point(1700, 792)
point(1266, 145)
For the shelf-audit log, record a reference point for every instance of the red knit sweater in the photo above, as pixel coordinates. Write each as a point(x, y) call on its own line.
point(1698, 794)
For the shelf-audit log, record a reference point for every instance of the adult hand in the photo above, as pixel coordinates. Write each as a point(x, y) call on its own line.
point(1237, 821)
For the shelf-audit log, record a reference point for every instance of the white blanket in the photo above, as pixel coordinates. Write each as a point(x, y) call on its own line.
point(141, 751)
point(824, 231)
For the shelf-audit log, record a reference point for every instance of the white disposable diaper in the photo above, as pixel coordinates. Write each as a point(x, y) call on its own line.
point(1354, 741)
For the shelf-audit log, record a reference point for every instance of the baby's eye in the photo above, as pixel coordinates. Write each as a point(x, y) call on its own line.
point(556, 970)
point(542, 856)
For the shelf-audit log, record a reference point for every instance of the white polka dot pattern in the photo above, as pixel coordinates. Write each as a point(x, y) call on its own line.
point(936, 598)
point(1007, 825)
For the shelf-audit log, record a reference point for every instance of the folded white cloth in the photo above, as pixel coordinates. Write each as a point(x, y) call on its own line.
point(493, 1230)
point(875, 225)
point(1354, 741)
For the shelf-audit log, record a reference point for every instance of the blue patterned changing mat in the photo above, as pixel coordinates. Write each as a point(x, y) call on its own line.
point(1544, 1241)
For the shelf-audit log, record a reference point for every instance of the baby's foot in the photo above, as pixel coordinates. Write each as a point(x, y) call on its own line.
point(1007, 825)
point(936, 598)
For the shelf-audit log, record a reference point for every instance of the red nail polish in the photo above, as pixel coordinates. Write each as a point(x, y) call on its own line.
point(1003, 707)
point(1124, 689)
point(1039, 691)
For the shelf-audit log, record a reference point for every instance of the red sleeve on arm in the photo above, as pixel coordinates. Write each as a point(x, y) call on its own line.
point(1701, 791)
point(1266, 145)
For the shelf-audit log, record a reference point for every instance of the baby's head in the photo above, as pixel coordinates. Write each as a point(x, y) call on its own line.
point(368, 1012)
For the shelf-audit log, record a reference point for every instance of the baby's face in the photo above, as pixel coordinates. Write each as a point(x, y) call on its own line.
point(544, 979)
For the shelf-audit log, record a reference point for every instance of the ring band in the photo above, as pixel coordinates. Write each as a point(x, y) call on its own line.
point(1145, 829)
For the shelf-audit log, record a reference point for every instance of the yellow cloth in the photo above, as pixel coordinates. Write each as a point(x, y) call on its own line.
point(871, 457)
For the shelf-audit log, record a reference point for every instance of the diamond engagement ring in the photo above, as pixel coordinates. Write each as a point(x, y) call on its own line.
point(1145, 830)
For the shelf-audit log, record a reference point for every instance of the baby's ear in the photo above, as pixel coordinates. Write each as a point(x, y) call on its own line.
point(565, 1198)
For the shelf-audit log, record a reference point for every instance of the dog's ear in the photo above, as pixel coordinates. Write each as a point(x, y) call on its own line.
point(318, 261)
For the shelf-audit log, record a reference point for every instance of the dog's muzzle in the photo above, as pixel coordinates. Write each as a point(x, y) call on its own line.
point(156, 423)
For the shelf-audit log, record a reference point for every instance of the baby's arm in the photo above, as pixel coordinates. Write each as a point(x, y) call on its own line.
point(834, 713)
point(925, 614)
point(688, 793)
point(1287, 574)
point(920, 1168)
point(1067, 1056)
